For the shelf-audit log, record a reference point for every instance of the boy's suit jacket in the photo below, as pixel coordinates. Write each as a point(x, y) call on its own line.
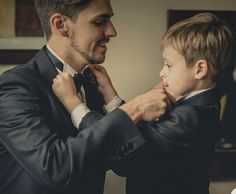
point(41, 152)
point(179, 152)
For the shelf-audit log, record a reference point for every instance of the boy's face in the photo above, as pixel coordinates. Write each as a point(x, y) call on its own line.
point(91, 31)
point(178, 79)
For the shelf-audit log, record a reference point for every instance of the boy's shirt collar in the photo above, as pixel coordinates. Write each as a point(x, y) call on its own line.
point(194, 93)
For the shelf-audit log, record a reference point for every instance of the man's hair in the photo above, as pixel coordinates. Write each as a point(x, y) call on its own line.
point(46, 8)
point(203, 36)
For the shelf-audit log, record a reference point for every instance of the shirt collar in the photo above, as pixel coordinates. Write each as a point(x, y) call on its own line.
point(194, 93)
point(66, 67)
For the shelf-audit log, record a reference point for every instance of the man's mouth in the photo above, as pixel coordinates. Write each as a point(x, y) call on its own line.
point(103, 43)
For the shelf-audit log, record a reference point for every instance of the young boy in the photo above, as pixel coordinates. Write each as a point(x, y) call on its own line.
point(198, 55)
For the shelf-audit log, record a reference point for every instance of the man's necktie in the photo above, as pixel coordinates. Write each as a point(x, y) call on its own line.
point(94, 99)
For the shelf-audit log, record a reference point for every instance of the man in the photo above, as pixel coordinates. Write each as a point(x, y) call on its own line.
point(41, 152)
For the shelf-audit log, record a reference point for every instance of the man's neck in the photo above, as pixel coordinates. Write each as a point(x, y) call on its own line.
point(65, 56)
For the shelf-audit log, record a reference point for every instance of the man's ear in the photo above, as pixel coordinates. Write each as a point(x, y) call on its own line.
point(58, 24)
point(201, 69)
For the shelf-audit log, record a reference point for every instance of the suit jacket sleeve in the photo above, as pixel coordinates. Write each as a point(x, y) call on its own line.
point(49, 157)
point(185, 129)
point(174, 132)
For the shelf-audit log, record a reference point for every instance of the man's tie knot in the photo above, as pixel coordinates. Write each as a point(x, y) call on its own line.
point(94, 99)
point(84, 78)
point(78, 79)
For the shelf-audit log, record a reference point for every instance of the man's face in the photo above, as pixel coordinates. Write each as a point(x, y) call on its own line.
point(178, 79)
point(92, 30)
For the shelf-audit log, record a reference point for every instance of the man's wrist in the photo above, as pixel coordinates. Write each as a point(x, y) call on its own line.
point(71, 103)
point(113, 104)
point(78, 114)
point(132, 110)
point(109, 94)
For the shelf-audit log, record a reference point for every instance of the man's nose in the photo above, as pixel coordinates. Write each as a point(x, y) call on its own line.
point(110, 30)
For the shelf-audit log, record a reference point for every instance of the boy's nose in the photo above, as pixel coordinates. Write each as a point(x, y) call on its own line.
point(162, 73)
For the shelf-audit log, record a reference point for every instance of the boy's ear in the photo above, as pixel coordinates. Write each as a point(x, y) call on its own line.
point(58, 24)
point(201, 69)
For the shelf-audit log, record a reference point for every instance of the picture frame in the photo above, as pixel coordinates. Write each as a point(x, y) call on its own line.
point(174, 16)
point(21, 35)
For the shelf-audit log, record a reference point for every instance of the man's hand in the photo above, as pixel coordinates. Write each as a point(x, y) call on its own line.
point(64, 88)
point(172, 99)
point(104, 84)
point(148, 107)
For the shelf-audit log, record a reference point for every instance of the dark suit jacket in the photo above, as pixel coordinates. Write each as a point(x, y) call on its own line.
point(179, 152)
point(41, 152)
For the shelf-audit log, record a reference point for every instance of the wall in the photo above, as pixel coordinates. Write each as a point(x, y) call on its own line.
point(134, 59)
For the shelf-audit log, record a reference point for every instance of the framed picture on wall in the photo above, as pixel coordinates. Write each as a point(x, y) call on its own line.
point(21, 35)
point(174, 16)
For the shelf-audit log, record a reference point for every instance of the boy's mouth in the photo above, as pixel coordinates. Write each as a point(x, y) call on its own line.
point(165, 84)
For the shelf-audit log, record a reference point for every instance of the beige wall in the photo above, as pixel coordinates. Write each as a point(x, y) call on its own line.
point(134, 59)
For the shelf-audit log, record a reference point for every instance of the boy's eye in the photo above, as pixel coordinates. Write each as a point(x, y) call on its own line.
point(168, 65)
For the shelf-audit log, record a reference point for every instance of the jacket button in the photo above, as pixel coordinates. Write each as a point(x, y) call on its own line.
point(129, 146)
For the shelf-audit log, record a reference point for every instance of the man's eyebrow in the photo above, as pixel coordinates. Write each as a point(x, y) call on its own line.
point(105, 15)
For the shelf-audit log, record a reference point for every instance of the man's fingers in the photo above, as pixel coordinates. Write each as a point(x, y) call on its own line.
point(170, 97)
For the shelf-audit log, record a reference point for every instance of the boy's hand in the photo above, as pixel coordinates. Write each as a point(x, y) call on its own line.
point(64, 88)
point(150, 106)
point(104, 84)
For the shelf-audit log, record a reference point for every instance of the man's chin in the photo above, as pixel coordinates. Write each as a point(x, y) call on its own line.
point(97, 60)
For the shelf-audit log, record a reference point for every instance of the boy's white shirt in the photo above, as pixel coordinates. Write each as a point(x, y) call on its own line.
point(81, 110)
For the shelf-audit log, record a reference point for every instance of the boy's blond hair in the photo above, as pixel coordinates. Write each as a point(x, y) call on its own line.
point(203, 36)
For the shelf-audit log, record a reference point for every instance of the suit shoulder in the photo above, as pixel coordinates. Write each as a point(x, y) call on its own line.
point(20, 73)
point(195, 115)
point(189, 109)
point(185, 110)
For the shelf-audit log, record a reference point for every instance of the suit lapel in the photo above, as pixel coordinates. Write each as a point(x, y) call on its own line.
point(47, 73)
point(46, 67)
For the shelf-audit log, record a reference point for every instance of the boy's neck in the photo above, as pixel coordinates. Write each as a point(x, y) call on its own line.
point(193, 93)
point(204, 84)
point(201, 87)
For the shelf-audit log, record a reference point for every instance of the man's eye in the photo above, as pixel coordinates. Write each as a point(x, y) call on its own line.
point(101, 21)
